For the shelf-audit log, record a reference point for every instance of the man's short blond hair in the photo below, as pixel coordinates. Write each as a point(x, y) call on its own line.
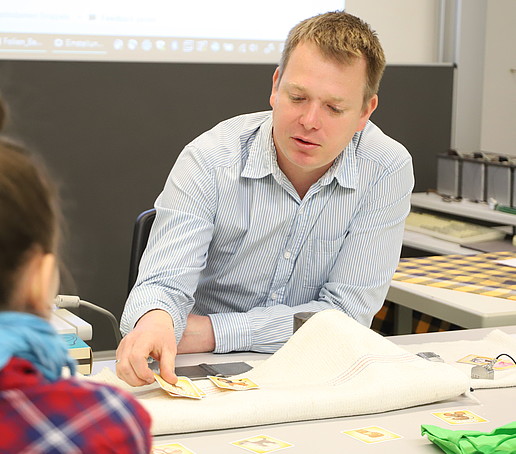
point(341, 37)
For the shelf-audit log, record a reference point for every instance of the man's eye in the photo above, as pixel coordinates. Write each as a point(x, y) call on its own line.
point(296, 98)
point(335, 109)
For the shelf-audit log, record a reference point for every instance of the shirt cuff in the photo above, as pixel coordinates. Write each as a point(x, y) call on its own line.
point(134, 310)
point(232, 332)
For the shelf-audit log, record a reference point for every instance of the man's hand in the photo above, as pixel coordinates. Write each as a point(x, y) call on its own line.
point(198, 336)
point(152, 336)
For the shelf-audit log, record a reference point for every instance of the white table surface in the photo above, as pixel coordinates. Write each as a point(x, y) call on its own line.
point(468, 310)
point(325, 437)
point(434, 245)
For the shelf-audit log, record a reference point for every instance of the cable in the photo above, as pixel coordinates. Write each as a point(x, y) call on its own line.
point(509, 356)
point(72, 302)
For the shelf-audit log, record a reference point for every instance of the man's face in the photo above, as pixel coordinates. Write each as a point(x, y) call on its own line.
point(317, 108)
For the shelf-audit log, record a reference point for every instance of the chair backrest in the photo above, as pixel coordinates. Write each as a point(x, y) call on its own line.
point(141, 231)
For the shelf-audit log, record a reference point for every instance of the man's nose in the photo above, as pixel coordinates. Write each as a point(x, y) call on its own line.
point(311, 116)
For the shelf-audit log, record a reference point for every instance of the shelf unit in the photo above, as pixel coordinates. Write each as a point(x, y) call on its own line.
point(464, 208)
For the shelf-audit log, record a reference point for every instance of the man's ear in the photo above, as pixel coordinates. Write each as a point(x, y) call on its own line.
point(367, 112)
point(43, 282)
point(274, 91)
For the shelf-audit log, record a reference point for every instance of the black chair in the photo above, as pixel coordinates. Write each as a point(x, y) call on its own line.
point(141, 233)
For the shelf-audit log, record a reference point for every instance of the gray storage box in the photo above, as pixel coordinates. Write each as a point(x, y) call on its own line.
point(499, 180)
point(449, 174)
point(473, 185)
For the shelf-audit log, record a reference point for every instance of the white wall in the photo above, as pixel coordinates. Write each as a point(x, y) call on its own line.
point(470, 17)
point(479, 36)
point(499, 94)
point(408, 29)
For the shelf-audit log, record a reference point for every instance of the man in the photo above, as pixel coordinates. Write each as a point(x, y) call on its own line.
point(270, 214)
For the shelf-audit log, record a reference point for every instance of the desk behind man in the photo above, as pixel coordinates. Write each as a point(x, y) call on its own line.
point(270, 214)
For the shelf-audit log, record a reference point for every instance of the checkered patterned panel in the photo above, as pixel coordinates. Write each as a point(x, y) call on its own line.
point(465, 273)
point(479, 274)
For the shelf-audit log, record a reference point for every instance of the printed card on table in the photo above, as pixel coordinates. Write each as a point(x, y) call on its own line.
point(476, 360)
point(261, 444)
point(372, 434)
point(171, 448)
point(183, 388)
point(460, 417)
point(235, 384)
point(502, 365)
point(483, 360)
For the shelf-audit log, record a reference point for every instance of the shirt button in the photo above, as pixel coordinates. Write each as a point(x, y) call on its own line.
point(287, 254)
point(274, 296)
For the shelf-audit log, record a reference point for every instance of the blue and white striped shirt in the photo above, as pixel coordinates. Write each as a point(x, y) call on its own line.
point(233, 240)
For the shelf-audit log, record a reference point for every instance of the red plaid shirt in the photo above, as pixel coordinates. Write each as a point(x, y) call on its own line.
point(68, 416)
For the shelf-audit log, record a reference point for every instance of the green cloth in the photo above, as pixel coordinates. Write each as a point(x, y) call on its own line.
point(499, 440)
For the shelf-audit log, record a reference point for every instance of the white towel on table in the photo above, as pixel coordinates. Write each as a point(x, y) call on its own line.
point(331, 367)
point(492, 345)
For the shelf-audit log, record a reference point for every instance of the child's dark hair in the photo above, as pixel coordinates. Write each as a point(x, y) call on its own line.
point(29, 214)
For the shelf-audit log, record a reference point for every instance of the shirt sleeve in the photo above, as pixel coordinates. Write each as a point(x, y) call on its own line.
point(178, 244)
point(358, 281)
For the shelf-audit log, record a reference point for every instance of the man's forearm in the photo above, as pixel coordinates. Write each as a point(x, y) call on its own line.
point(198, 337)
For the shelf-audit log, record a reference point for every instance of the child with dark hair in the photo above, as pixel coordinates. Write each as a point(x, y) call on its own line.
point(41, 412)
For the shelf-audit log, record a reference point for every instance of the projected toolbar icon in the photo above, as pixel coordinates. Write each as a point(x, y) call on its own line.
point(118, 44)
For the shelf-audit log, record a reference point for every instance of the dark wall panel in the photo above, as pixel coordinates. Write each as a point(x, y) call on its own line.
point(110, 133)
point(416, 109)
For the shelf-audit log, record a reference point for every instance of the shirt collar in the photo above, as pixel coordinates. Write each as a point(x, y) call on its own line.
point(344, 168)
point(262, 159)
